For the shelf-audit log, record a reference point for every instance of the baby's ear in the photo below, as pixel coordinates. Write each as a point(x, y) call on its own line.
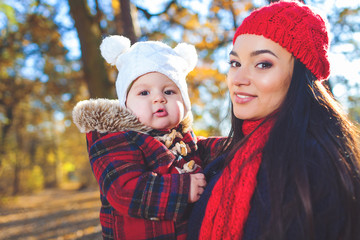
point(188, 52)
point(113, 46)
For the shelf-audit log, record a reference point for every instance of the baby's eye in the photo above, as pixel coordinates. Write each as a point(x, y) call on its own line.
point(234, 64)
point(169, 92)
point(264, 65)
point(144, 93)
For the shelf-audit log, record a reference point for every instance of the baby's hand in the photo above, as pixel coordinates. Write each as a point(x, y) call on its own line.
point(197, 185)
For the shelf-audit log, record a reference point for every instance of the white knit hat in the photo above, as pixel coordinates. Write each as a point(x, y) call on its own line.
point(145, 57)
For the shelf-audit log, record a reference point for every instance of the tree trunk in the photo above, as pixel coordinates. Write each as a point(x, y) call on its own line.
point(16, 181)
point(128, 25)
point(90, 38)
point(19, 157)
point(4, 131)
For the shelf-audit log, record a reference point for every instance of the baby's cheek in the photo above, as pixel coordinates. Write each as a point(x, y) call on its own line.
point(181, 109)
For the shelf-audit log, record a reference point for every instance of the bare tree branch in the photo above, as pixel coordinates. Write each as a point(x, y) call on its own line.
point(149, 15)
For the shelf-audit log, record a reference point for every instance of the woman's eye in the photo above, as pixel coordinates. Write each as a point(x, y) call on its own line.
point(169, 92)
point(264, 65)
point(144, 93)
point(234, 64)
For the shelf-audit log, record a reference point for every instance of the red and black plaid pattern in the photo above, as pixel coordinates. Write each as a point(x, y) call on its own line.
point(209, 148)
point(142, 197)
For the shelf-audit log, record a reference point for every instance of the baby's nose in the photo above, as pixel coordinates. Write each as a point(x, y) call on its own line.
point(159, 98)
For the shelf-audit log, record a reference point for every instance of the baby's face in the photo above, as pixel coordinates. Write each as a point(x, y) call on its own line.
point(156, 101)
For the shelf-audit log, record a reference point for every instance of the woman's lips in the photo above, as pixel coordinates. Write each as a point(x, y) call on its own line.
point(240, 97)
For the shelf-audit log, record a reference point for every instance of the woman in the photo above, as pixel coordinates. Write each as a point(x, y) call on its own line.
point(290, 167)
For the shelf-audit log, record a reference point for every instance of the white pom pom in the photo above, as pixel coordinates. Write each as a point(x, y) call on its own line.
point(188, 52)
point(113, 46)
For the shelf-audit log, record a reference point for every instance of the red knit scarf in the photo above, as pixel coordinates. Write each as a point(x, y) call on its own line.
point(229, 204)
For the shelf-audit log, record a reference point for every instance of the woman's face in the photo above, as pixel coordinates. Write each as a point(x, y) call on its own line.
point(259, 76)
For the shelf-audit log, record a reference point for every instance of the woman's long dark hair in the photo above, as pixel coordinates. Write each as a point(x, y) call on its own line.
point(312, 156)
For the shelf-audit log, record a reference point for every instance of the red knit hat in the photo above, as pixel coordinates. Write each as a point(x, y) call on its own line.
point(296, 28)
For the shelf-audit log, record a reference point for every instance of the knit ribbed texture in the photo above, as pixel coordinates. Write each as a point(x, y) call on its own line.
point(296, 28)
point(229, 203)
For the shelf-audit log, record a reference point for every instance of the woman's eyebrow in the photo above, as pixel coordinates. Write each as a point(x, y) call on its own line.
point(255, 53)
point(258, 52)
point(234, 53)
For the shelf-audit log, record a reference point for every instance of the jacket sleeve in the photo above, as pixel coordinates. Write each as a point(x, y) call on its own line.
point(132, 172)
point(209, 148)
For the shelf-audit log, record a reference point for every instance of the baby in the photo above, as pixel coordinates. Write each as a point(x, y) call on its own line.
point(141, 147)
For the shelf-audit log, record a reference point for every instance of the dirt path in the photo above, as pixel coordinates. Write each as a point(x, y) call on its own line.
point(52, 214)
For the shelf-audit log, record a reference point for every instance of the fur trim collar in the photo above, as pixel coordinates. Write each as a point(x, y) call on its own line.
point(105, 115)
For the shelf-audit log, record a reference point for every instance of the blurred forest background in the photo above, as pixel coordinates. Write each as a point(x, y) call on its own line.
point(50, 60)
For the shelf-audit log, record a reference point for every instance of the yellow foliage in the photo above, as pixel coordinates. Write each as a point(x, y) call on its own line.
point(192, 23)
point(34, 179)
point(248, 6)
point(51, 157)
point(207, 43)
point(68, 167)
point(116, 6)
point(206, 73)
point(215, 9)
point(201, 132)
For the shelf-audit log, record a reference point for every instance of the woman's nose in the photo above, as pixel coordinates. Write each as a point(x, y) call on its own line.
point(240, 76)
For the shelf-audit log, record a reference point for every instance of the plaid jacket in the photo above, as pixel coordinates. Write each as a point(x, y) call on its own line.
point(142, 196)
